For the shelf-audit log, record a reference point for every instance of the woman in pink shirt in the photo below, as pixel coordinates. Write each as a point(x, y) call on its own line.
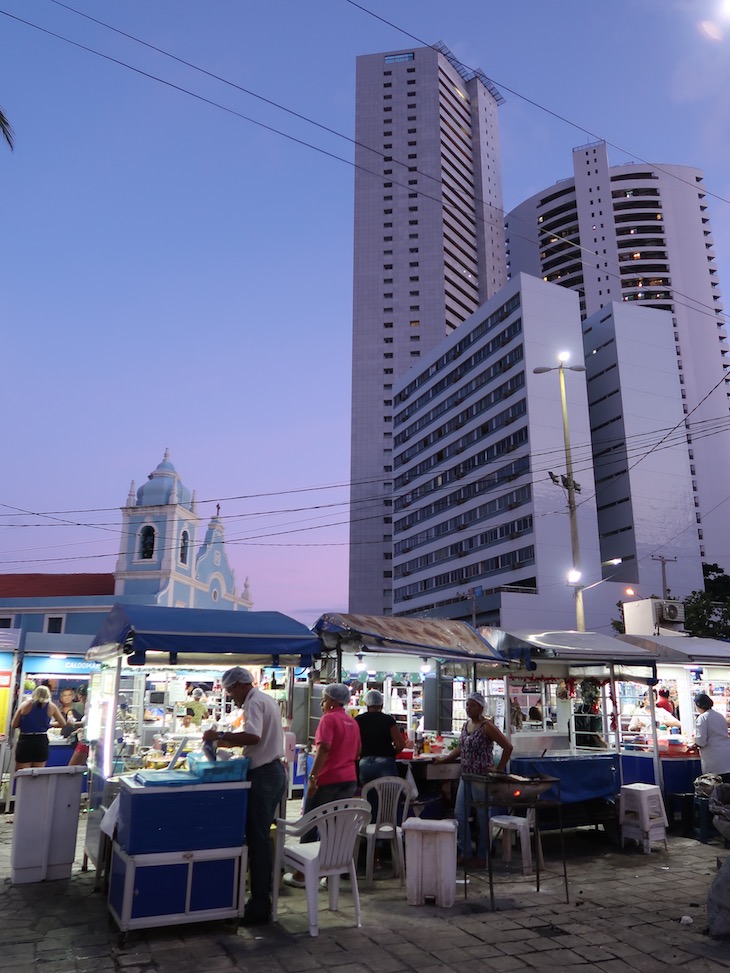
point(334, 774)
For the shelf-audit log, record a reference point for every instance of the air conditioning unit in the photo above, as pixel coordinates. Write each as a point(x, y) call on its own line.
point(670, 611)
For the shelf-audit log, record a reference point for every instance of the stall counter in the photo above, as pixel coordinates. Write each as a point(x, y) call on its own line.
point(678, 772)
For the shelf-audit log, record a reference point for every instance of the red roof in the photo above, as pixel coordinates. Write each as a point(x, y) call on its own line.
point(55, 585)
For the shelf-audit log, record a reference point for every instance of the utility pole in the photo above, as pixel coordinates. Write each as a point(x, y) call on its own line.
point(569, 484)
point(664, 561)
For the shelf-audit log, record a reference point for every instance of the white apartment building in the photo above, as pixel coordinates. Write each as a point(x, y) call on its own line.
point(429, 250)
point(641, 465)
point(481, 530)
point(640, 234)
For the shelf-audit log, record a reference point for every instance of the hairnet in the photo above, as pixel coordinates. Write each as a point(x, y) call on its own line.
point(703, 701)
point(338, 692)
point(373, 698)
point(198, 693)
point(478, 698)
point(237, 674)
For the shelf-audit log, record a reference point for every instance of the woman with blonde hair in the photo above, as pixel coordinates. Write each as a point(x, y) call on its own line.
point(33, 717)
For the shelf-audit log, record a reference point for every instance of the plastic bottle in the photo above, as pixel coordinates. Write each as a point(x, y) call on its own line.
point(427, 745)
point(210, 748)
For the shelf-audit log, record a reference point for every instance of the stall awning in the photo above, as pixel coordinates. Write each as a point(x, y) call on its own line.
point(433, 638)
point(150, 634)
point(682, 649)
point(581, 648)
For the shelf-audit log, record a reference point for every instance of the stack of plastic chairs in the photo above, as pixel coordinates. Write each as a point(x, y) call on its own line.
point(642, 815)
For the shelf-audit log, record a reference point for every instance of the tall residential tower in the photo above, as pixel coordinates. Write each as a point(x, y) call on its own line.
point(429, 250)
point(639, 234)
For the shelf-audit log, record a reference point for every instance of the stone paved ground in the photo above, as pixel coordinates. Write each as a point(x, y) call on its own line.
point(623, 916)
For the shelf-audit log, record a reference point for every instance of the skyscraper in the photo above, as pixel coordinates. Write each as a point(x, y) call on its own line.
point(429, 250)
point(640, 234)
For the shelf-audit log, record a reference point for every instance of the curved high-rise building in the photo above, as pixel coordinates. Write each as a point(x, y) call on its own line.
point(640, 234)
point(429, 250)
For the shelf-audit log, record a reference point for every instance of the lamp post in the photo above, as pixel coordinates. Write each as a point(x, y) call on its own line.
point(574, 575)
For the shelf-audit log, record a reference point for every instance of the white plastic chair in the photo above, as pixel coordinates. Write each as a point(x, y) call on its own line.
point(513, 824)
point(393, 798)
point(337, 824)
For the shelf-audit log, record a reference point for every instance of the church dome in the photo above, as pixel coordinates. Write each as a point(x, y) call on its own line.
point(163, 486)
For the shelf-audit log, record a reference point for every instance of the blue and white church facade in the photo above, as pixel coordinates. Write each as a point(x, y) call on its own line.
point(167, 557)
point(161, 561)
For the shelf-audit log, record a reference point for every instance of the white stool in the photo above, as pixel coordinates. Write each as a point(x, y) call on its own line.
point(511, 825)
point(642, 815)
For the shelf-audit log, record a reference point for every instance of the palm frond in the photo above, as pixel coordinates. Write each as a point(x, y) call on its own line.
point(6, 129)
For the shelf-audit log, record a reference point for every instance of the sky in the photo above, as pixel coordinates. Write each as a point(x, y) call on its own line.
point(176, 253)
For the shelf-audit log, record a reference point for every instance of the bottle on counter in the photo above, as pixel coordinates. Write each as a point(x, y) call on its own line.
point(427, 744)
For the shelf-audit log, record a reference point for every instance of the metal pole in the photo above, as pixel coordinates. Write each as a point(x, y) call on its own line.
point(580, 622)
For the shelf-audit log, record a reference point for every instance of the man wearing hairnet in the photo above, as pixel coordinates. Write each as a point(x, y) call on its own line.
point(263, 743)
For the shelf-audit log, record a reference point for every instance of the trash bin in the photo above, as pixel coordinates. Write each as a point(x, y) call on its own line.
point(46, 820)
point(430, 861)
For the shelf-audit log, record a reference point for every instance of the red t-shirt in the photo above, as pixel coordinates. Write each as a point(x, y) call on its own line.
point(338, 729)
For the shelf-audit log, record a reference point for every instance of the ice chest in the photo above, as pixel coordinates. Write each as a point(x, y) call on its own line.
point(162, 819)
point(430, 861)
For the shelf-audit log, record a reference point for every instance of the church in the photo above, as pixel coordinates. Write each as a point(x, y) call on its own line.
point(167, 557)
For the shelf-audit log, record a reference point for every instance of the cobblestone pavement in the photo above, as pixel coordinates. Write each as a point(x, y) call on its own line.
point(624, 915)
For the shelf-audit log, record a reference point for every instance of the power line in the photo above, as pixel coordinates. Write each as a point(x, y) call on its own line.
point(697, 306)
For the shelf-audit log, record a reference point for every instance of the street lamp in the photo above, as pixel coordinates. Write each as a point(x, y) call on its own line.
point(563, 357)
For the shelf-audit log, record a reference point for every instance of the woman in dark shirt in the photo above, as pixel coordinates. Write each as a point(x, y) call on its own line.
point(381, 740)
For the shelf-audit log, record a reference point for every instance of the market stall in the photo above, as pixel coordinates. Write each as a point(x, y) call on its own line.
point(576, 732)
point(451, 656)
point(685, 666)
point(148, 659)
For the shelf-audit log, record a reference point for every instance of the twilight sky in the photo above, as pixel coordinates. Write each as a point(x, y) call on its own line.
point(174, 275)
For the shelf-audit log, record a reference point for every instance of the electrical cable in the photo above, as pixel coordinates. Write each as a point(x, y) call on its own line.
point(707, 309)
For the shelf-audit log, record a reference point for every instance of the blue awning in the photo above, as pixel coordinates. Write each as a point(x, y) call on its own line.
point(147, 634)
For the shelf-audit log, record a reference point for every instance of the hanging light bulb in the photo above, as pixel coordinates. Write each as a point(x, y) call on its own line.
point(425, 666)
point(361, 666)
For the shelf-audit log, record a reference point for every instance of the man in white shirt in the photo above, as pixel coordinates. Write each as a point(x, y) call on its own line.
point(263, 743)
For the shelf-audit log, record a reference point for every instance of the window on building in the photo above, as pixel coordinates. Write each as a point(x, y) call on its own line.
point(54, 624)
point(147, 543)
point(184, 544)
point(6, 621)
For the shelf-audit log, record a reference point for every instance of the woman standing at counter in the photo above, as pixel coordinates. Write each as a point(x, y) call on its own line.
point(381, 740)
point(476, 749)
point(711, 736)
point(34, 717)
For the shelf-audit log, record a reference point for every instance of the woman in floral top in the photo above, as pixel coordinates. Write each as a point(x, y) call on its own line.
point(476, 750)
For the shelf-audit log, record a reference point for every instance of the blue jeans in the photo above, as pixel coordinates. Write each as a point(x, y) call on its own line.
point(323, 795)
point(268, 785)
point(468, 791)
point(370, 768)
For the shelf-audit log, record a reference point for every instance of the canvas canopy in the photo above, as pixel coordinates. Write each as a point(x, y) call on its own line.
point(152, 634)
point(435, 638)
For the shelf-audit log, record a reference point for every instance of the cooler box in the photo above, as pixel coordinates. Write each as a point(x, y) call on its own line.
point(172, 818)
point(430, 861)
point(47, 803)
